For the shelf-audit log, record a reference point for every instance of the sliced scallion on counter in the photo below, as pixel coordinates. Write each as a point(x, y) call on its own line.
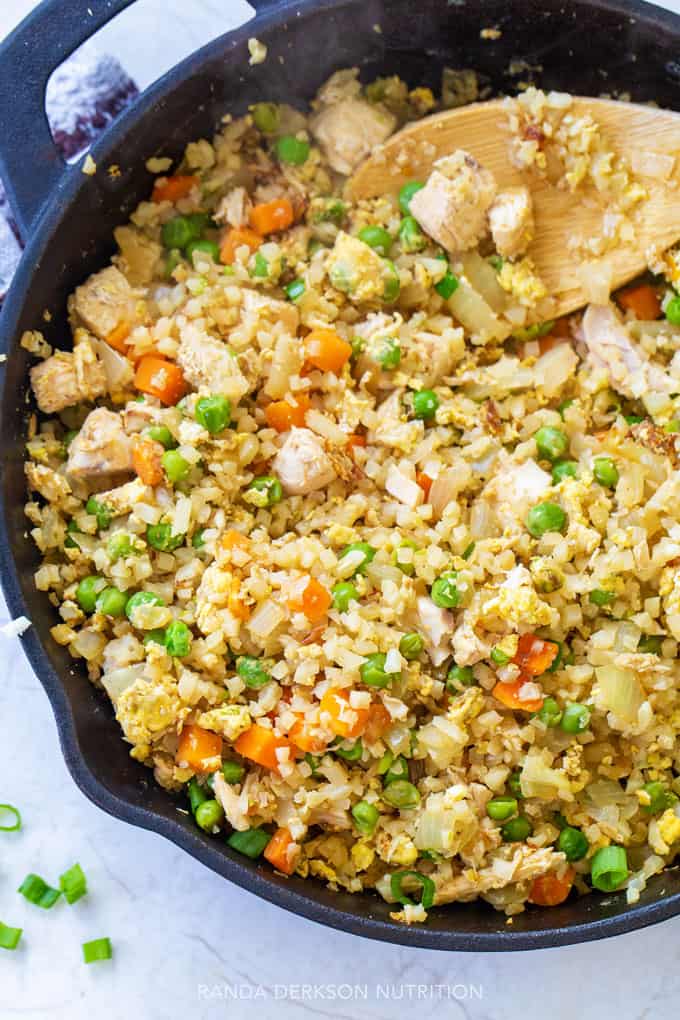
point(73, 884)
point(96, 950)
point(9, 937)
point(37, 891)
point(11, 824)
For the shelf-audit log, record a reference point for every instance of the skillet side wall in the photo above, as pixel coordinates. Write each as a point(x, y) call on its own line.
point(584, 48)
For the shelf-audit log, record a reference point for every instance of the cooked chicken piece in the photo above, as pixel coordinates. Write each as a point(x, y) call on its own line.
point(234, 208)
point(516, 487)
point(49, 483)
point(452, 206)
point(511, 221)
point(403, 488)
point(302, 464)
point(437, 627)
point(122, 499)
point(467, 647)
point(349, 129)
point(104, 302)
point(525, 864)
point(610, 345)
point(68, 377)
point(208, 363)
point(101, 447)
point(139, 254)
point(438, 354)
point(343, 84)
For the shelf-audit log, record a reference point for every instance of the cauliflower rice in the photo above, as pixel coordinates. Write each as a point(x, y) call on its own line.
point(375, 562)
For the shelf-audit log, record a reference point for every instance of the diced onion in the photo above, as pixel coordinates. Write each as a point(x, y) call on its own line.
point(618, 691)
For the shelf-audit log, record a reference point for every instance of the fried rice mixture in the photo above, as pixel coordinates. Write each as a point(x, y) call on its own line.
point(376, 563)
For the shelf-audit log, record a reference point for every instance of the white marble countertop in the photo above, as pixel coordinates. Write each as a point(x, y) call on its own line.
point(186, 942)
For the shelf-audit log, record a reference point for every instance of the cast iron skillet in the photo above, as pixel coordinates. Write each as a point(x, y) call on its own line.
point(68, 219)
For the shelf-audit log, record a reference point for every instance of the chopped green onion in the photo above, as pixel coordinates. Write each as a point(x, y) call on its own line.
point(609, 868)
point(96, 950)
point(389, 356)
point(73, 884)
point(406, 193)
point(37, 891)
point(396, 769)
point(459, 677)
point(599, 597)
point(252, 672)
point(447, 286)
point(250, 843)
point(269, 490)
point(427, 888)
point(295, 289)
point(9, 937)
point(351, 753)
point(499, 656)
point(660, 797)
point(16, 818)
point(385, 762)
point(233, 772)
point(197, 794)
point(178, 639)
point(515, 785)
point(468, 551)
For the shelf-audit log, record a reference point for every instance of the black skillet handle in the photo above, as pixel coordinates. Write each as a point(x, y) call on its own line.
point(29, 161)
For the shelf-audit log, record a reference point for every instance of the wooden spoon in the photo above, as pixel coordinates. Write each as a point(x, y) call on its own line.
point(481, 129)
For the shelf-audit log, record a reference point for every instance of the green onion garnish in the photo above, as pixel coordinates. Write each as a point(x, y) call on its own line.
point(37, 891)
point(609, 868)
point(11, 810)
point(98, 949)
point(73, 884)
point(427, 887)
point(9, 937)
point(251, 842)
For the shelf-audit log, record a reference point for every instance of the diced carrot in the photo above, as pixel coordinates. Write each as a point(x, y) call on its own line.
point(236, 238)
point(642, 300)
point(341, 718)
point(313, 600)
point(236, 606)
point(356, 439)
point(425, 482)
point(282, 416)
point(171, 189)
point(117, 337)
point(379, 719)
point(508, 693)
point(305, 738)
point(260, 745)
point(270, 217)
point(198, 748)
point(549, 341)
point(233, 539)
point(534, 655)
point(326, 350)
point(282, 851)
point(160, 378)
point(550, 890)
point(147, 461)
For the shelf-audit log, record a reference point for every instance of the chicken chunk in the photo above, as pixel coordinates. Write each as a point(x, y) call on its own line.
point(104, 302)
point(437, 627)
point(610, 345)
point(348, 130)
point(452, 207)
point(209, 364)
point(516, 487)
point(302, 464)
point(139, 255)
point(68, 377)
point(101, 447)
point(511, 221)
point(234, 208)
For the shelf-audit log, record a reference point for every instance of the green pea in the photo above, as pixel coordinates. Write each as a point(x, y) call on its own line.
point(178, 639)
point(385, 762)
point(551, 443)
point(233, 772)
point(468, 551)
point(448, 285)
point(572, 843)
point(499, 657)
point(252, 672)
point(343, 593)
point(260, 266)
point(397, 769)
point(290, 149)
point(605, 472)
point(203, 247)
point(575, 718)
point(515, 785)
point(401, 794)
point(496, 262)
point(406, 568)
point(377, 238)
point(459, 677)
point(444, 592)
point(501, 808)
point(156, 637)
point(673, 311)
point(160, 537)
point(411, 645)
point(373, 672)
point(392, 285)
point(118, 546)
point(88, 591)
point(406, 193)
point(208, 815)
point(650, 644)
point(295, 289)
point(425, 404)
point(545, 517)
point(411, 237)
point(660, 797)
point(176, 467)
point(112, 602)
point(268, 488)
point(265, 117)
point(599, 597)
point(351, 752)
point(516, 829)
point(389, 355)
point(101, 511)
point(179, 232)
point(362, 547)
point(213, 413)
point(365, 817)
point(672, 426)
point(565, 469)
point(549, 713)
point(71, 529)
point(633, 419)
point(162, 434)
point(142, 598)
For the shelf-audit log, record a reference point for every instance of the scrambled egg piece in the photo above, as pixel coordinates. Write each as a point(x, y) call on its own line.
point(521, 280)
point(357, 270)
point(147, 709)
point(669, 827)
point(229, 720)
point(362, 856)
point(396, 849)
point(517, 603)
